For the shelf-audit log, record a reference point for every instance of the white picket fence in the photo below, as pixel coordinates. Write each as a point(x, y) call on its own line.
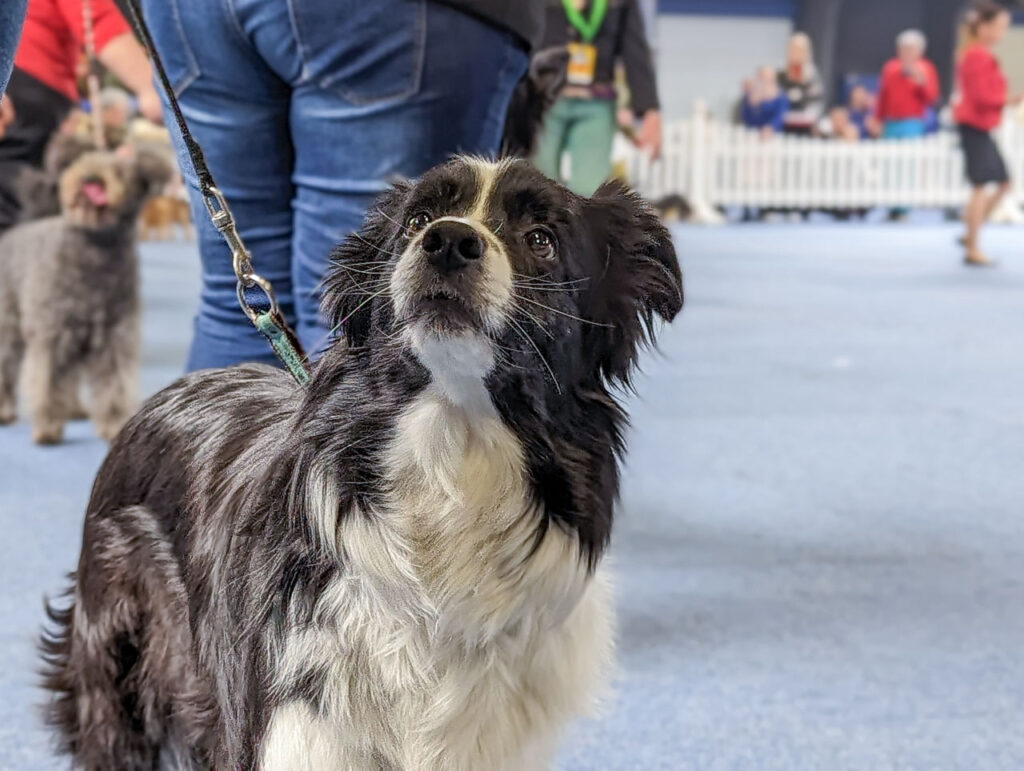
point(713, 164)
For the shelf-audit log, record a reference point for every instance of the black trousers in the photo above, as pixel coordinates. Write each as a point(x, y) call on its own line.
point(38, 113)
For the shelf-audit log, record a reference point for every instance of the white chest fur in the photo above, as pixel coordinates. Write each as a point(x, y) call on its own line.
point(453, 640)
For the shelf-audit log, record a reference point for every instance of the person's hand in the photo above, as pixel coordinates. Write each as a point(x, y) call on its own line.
point(767, 132)
point(874, 126)
point(649, 136)
point(149, 105)
point(6, 113)
point(625, 119)
point(1016, 100)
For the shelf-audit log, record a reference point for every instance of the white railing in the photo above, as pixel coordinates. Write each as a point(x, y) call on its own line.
point(713, 164)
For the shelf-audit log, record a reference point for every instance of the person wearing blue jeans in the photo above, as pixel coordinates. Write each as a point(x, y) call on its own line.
point(305, 109)
point(12, 14)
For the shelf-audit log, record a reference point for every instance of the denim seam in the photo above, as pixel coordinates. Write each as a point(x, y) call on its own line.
point(419, 46)
point(193, 72)
point(235, 23)
point(300, 45)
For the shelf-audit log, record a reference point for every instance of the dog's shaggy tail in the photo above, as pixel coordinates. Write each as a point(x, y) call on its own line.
point(60, 712)
point(96, 706)
point(117, 657)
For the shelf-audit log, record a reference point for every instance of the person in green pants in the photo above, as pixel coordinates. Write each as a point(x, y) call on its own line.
point(599, 34)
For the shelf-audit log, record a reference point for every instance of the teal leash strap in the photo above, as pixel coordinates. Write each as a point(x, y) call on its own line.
point(286, 349)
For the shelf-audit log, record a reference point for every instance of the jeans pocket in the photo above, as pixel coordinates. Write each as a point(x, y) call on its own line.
point(367, 51)
point(164, 20)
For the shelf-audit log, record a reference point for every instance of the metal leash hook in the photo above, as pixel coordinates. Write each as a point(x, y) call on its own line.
point(270, 323)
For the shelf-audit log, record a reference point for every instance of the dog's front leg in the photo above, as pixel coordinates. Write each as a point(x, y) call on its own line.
point(40, 387)
point(12, 349)
point(113, 374)
point(67, 392)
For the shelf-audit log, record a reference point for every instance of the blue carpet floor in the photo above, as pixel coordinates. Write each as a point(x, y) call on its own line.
point(820, 548)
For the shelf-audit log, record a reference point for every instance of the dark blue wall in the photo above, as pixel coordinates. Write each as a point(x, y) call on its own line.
point(772, 8)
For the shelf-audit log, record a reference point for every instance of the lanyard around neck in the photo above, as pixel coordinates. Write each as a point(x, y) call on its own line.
point(588, 28)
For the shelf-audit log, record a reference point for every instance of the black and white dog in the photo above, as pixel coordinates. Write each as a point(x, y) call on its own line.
point(396, 567)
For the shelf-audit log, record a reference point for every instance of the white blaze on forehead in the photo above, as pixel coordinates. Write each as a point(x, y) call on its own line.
point(487, 174)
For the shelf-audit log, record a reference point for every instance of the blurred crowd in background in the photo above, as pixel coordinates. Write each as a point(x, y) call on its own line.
point(611, 88)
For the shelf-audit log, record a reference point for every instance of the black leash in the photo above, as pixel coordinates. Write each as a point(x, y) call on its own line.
point(270, 323)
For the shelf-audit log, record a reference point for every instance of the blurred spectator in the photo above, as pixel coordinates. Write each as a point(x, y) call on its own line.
point(979, 110)
point(116, 113)
point(839, 125)
point(802, 87)
point(43, 86)
point(861, 109)
point(908, 88)
point(764, 106)
point(582, 122)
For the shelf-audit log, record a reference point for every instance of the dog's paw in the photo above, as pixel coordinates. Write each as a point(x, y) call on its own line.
point(47, 436)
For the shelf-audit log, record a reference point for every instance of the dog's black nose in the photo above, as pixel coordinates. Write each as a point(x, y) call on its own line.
point(451, 246)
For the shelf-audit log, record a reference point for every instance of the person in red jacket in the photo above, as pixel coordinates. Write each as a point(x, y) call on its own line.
point(909, 85)
point(979, 110)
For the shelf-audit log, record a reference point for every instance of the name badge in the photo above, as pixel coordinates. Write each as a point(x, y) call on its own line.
point(582, 64)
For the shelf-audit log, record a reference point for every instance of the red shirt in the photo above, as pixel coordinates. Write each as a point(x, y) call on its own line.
point(982, 89)
point(52, 39)
point(901, 96)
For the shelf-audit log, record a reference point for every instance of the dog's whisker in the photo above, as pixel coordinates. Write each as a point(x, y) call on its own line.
point(359, 237)
point(566, 314)
point(545, 278)
point(391, 219)
point(359, 307)
point(537, 321)
point(528, 339)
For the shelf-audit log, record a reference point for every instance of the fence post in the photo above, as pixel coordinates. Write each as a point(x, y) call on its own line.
point(703, 211)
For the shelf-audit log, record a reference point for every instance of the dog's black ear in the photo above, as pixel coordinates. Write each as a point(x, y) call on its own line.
point(640, 279)
point(531, 99)
point(357, 267)
point(547, 72)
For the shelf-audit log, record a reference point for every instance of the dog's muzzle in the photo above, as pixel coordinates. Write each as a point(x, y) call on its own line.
point(440, 287)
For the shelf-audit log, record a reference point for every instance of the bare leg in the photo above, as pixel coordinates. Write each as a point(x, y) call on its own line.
point(995, 199)
point(113, 375)
point(43, 399)
point(974, 217)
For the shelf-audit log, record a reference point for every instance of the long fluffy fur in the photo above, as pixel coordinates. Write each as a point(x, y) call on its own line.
point(397, 567)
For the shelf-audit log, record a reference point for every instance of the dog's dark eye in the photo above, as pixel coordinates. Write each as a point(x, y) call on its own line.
point(417, 222)
point(541, 243)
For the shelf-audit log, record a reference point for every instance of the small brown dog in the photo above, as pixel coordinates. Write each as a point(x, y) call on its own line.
point(159, 216)
point(69, 304)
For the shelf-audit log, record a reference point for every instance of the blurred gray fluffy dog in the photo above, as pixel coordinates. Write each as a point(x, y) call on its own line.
point(69, 305)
